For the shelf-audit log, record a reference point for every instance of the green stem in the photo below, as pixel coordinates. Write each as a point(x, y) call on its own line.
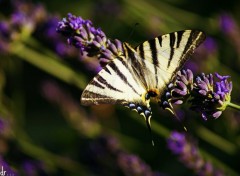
point(234, 106)
point(53, 66)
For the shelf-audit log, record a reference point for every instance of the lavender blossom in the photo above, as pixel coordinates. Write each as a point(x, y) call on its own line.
point(227, 23)
point(6, 168)
point(210, 96)
point(4, 36)
point(93, 41)
point(20, 24)
point(189, 155)
point(107, 149)
point(229, 26)
point(207, 94)
point(132, 165)
point(46, 31)
point(33, 167)
point(178, 91)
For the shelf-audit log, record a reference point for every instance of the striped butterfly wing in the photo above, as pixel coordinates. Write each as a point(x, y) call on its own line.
point(163, 56)
point(116, 83)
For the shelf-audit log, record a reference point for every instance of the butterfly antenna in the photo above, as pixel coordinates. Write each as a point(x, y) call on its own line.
point(171, 110)
point(149, 127)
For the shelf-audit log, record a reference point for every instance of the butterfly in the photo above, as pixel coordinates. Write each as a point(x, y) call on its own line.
point(142, 73)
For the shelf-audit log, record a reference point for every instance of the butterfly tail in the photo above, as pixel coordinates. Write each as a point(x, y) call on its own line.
point(145, 111)
point(148, 122)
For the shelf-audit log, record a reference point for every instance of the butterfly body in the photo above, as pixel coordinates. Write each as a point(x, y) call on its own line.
point(142, 73)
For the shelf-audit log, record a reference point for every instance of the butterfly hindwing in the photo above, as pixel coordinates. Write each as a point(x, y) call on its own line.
point(114, 84)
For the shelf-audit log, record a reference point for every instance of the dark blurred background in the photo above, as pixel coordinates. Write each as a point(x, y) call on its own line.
point(45, 131)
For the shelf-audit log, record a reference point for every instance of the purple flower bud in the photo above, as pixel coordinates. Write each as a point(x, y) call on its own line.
point(181, 85)
point(177, 102)
point(179, 92)
point(222, 77)
point(108, 54)
point(217, 114)
point(203, 92)
point(203, 85)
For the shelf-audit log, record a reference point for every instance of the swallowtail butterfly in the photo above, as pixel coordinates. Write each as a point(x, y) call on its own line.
point(143, 72)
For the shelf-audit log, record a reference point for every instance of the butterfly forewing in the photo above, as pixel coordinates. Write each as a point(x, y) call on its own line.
point(163, 56)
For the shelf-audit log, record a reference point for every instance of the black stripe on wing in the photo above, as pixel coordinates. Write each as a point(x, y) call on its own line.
point(153, 48)
point(96, 98)
point(172, 42)
point(104, 82)
point(137, 64)
point(179, 37)
point(121, 75)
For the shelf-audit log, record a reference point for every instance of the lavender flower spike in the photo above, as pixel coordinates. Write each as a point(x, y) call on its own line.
point(208, 94)
point(189, 155)
point(211, 95)
point(93, 41)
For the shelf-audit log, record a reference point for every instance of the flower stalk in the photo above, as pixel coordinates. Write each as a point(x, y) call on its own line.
point(233, 105)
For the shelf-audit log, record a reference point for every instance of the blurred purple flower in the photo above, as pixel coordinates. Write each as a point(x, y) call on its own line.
point(189, 155)
point(4, 36)
point(21, 23)
point(26, 17)
point(207, 94)
point(4, 29)
point(46, 32)
point(132, 165)
point(85, 123)
point(227, 23)
point(18, 18)
point(106, 149)
point(33, 167)
point(176, 142)
point(6, 169)
point(230, 27)
point(210, 45)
